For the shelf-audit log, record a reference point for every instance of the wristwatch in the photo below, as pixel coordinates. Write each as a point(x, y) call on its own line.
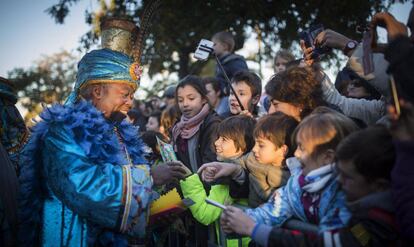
point(351, 45)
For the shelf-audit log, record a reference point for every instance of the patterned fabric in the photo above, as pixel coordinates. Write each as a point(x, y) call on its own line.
point(13, 132)
point(104, 66)
point(78, 186)
point(286, 203)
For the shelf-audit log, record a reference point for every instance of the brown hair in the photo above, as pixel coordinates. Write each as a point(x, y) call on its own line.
point(323, 131)
point(278, 129)
point(296, 86)
point(238, 128)
point(251, 79)
point(215, 83)
point(168, 118)
point(226, 38)
point(196, 83)
point(284, 54)
point(371, 151)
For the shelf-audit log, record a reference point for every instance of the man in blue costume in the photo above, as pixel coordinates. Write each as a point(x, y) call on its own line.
point(84, 180)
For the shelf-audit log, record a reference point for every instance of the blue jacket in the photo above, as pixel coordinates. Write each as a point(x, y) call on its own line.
point(286, 203)
point(78, 185)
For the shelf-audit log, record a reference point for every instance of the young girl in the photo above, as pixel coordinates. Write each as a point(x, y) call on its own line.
point(282, 58)
point(312, 193)
point(169, 116)
point(234, 139)
point(194, 134)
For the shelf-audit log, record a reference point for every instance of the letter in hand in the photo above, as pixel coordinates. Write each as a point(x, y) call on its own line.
point(169, 172)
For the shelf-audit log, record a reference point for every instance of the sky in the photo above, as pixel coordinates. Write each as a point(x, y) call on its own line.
point(28, 32)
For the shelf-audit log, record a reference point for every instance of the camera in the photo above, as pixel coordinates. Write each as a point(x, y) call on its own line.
point(205, 47)
point(309, 37)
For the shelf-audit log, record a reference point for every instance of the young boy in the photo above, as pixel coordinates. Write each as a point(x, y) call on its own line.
point(223, 48)
point(265, 165)
point(263, 168)
point(248, 87)
point(234, 139)
point(215, 96)
point(365, 176)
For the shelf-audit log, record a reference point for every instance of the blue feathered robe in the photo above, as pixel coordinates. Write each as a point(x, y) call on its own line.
point(84, 180)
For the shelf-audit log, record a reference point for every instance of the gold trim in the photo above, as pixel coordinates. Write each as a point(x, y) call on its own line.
point(98, 81)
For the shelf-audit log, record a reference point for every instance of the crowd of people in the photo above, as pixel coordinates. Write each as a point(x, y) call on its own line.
point(305, 162)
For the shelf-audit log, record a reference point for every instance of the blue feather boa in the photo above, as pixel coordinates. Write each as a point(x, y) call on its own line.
point(92, 132)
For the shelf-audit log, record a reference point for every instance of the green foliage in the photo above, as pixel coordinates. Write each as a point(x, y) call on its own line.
point(180, 24)
point(48, 81)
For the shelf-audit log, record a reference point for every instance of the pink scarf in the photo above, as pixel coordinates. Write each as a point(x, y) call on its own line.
point(187, 127)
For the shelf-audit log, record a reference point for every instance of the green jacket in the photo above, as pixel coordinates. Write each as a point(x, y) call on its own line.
point(206, 214)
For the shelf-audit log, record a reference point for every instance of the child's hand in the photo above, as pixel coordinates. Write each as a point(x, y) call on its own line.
point(208, 174)
point(247, 113)
point(235, 220)
point(220, 170)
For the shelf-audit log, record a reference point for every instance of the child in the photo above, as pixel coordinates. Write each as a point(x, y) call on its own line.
point(232, 63)
point(312, 193)
point(263, 169)
point(149, 137)
point(154, 120)
point(215, 96)
point(234, 139)
point(194, 134)
point(365, 176)
point(169, 116)
point(282, 58)
point(248, 87)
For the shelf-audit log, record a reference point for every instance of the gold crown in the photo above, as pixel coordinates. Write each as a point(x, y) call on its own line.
point(118, 34)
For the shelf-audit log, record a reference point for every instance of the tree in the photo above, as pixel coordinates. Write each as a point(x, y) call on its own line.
point(50, 80)
point(179, 24)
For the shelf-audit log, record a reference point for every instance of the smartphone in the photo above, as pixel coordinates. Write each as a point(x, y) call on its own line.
point(204, 49)
point(216, 204)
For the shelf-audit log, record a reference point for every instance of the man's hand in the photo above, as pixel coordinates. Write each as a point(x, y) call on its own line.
point(170, 172)
point(386, 20)
point(235, 220)
point(331, 39)
point(214, 170)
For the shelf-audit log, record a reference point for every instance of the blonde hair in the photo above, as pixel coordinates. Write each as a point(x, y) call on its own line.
point(323, 130)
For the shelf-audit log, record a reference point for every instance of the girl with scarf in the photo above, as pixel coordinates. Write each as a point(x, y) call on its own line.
point(193, 138)
point(194, 134)
point(312, 194)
